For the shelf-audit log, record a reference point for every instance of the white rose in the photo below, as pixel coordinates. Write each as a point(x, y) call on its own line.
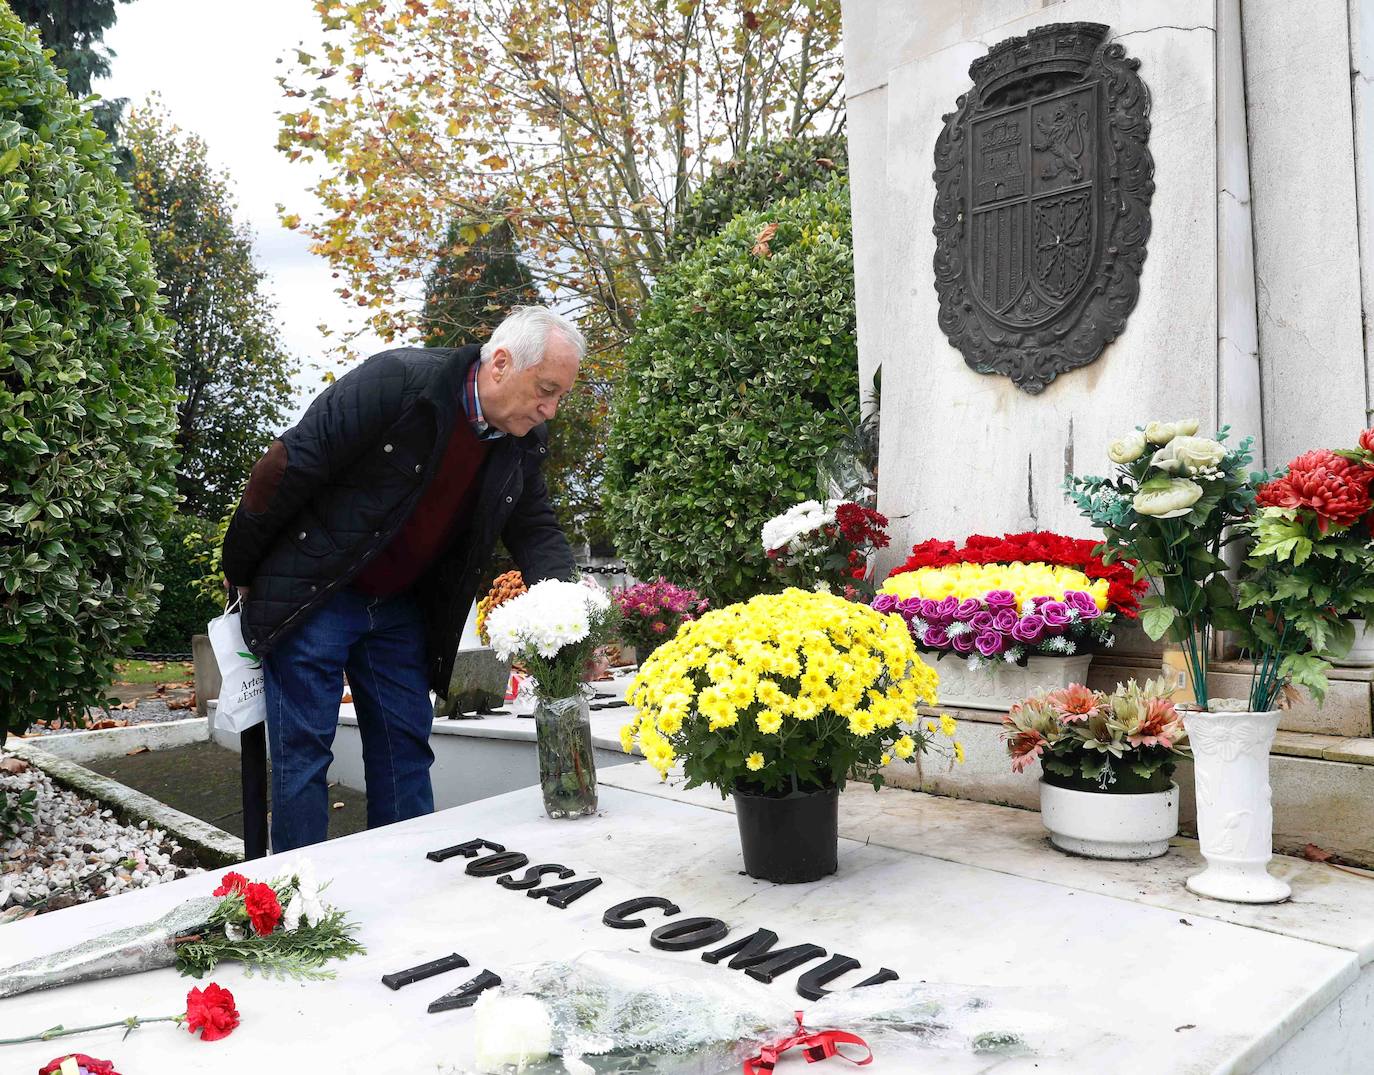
point(1186, 454)
point(1128, 449)
point(1160, 432)
point(1167, 498)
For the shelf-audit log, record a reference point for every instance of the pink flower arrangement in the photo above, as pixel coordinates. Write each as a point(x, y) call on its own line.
point(652, 612)
point(1126, 742)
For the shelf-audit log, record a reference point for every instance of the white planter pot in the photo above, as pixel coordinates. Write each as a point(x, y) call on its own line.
point(1002, 685)
point(1361, 654)
point(1102, 826)
point(1235, 821)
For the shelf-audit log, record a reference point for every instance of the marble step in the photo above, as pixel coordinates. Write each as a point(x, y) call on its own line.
point(1323, 785)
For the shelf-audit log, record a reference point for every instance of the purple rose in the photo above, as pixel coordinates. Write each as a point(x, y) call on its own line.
point(945, 609)
point(936, 638)
point(909, 607)
point(884, 602)
point(1056, 615)
point(989, 643)
point(968, 608)
point(962, 643)
point(1004, 619)
point(1083, 604)
point(1039, 602)
point(930, 608)
point(1029, 628)
point(996, 599)
point(982, 621)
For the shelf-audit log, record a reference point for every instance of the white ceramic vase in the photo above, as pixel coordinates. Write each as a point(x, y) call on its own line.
point(1103, 826)
point(1235, 819)
point(998, 685)
point(1361, 654)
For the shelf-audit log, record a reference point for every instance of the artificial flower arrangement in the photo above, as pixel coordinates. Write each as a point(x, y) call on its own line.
point(281, 927)
point(553, 630)
point(1037, 546)
point(1125, 742)
point(1170, 506)
point(652, 612)
point(825, 546)
point(503, 588)
point(1310, 567)
point(988, 613)
point(785, 691)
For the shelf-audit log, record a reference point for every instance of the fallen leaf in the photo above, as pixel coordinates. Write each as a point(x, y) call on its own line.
point(762, 239)
point(1185, 922)
point(338, 806)
point(13, 765)
point(1185, 1026)
point(137, 750)
point(347, 698)
point(1313, 853)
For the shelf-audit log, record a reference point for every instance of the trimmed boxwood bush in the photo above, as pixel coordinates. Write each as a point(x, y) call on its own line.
point(741, 374)
point(756, 180)
point(86, 400)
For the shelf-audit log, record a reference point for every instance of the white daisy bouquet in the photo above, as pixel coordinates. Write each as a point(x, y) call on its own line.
point(553, 629)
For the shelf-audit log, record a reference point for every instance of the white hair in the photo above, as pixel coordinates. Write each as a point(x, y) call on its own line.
point(525, 334)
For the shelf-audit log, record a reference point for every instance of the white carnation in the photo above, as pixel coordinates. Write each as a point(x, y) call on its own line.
point(782, 531)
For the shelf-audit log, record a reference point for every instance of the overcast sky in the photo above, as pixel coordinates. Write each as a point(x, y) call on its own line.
point(214, 65)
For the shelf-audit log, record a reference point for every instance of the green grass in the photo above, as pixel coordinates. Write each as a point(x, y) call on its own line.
point(153, 672)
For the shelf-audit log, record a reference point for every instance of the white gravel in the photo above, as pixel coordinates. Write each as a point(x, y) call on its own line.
point(76, 851)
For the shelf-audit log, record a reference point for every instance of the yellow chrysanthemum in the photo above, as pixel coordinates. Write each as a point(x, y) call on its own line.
point(754, 762)
point(959, 753)
point(948, 725)
point(768, 721)
point(904, 747)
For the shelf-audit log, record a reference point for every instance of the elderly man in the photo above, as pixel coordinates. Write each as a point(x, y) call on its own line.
point(359, 540)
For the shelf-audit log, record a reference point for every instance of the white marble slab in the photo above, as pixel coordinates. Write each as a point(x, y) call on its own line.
point(1330, 906)
point(1102, 982)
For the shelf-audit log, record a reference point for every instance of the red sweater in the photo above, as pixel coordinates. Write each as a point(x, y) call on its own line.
point(443, 507)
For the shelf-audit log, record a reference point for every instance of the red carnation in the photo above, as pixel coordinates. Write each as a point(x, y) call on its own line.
point(88, 1065)
point(231, 884)
point(212, 1012)
point(1330, 486)
point(263, 909)
point(1367, 440)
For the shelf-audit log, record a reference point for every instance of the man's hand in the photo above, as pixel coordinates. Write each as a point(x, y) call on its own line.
point(595, 667)
point(243, 590)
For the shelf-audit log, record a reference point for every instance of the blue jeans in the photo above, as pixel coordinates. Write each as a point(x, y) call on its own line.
point(380, 642)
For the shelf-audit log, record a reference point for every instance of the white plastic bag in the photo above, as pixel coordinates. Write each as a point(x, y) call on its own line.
point(242, 703)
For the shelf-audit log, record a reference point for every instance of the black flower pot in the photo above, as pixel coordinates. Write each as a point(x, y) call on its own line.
point(791, 838)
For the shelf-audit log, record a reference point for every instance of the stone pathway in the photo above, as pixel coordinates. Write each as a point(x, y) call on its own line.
point(202, 779)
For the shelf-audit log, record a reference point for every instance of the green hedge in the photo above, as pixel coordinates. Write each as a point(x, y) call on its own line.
point(758, 179)
point(741, 374)
point(185, 609)
point(87, 398)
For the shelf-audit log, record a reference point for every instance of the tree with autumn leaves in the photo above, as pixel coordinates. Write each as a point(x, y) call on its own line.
point(583, 124)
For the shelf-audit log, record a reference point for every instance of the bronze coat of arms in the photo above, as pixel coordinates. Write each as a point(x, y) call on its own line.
point(1042, 203)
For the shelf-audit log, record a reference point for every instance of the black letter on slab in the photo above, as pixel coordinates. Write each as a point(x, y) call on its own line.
point(688, 933)
point(755, 955)
point(810, 985)
point(562, 895)
point(467, 850)
point(465, 996)
point(424, 970)
point(533, 875)
point(884, 975)
point(615, 917)
point(491, 865)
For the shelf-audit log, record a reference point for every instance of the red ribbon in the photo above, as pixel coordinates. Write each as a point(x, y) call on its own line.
point(819, 1045)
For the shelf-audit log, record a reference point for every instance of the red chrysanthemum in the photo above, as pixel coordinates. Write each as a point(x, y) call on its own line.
point(264, 911)
point(212, 1011)
point(87, 1064)
point(1332, 487)
point(231, 884)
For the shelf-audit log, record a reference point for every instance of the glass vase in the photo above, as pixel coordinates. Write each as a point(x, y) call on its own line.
point(567, 767)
